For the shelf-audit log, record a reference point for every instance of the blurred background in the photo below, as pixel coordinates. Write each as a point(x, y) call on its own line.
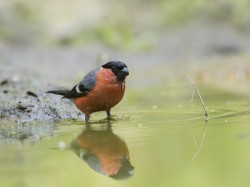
point(54, 43)
point(129, 25)
point(54, 33)
point(134, 26)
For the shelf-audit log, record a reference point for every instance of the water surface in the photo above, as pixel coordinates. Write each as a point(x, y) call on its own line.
point(157, 131)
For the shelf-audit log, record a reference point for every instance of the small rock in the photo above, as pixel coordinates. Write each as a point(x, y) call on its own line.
point(31, 93)
point(21, 107)
point(4, 82)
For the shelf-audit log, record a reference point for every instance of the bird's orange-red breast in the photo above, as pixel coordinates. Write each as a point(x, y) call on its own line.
point(100, 89)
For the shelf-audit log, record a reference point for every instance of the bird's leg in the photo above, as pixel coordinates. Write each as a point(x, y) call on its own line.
point(109, 117)
point(108, 112)
point(86, 118)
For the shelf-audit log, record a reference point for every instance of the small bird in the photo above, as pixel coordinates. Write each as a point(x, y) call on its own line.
point(100, 90)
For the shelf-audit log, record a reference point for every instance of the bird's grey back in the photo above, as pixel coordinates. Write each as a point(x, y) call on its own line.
point(89, 81)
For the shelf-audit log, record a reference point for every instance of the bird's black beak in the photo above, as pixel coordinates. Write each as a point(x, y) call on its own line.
point(125, 71)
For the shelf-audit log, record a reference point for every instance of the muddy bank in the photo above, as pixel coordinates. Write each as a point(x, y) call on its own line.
point(27, 113)
point(25, 101)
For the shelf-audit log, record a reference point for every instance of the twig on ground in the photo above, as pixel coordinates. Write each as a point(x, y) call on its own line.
point(206, 120)
point(206, 113)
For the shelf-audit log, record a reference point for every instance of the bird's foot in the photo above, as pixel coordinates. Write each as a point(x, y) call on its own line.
point(113, 118)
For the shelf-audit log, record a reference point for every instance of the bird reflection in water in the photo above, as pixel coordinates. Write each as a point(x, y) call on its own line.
point(104, 151)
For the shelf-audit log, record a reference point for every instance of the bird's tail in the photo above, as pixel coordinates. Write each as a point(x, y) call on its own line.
point(59, 92)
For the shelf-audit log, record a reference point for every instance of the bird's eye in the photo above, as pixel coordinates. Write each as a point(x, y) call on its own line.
point(113, 68)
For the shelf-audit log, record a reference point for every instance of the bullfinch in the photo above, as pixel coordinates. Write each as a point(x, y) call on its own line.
point(104, 152)
point(100, 90)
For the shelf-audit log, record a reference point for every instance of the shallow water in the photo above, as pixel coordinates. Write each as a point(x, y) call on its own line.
point(158, 131)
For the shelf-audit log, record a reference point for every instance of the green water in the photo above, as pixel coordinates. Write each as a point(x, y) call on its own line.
point(161, 130)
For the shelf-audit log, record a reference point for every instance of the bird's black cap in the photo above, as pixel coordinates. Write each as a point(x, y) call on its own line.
point(120, 69)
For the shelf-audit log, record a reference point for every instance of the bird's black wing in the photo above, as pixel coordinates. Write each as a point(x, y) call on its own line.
point(85, 86)
point(73, 93)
